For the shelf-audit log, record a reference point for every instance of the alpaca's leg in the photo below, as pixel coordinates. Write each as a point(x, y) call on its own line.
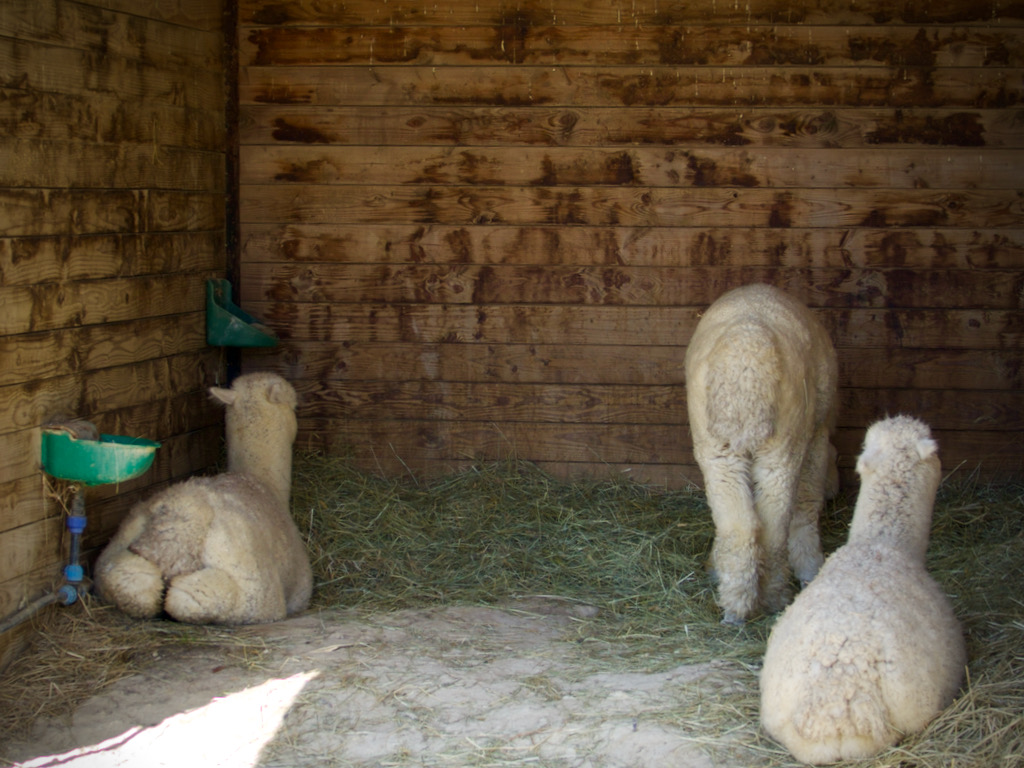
point(206, 596)
point(805, 555)
point(735, 552)
point(130, 582)
point(216, 596)
point(775, 481)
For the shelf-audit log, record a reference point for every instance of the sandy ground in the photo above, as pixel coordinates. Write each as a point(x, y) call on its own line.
point(455, 686)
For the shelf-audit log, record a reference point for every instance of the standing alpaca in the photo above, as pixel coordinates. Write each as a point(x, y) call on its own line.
point(871, 651)
point(220, 549)
point(761, 382)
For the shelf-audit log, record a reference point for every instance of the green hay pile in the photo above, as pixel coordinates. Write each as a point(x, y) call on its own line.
point(505, 530)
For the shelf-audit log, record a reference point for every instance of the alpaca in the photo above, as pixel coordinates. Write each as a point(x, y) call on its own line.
point(761, 386)
point(220, 549)
point(871, 651)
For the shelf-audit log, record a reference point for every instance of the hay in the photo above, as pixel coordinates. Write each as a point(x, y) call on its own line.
point(504, 530)
point(78, 651)
point(507, 530)
point(637, 556)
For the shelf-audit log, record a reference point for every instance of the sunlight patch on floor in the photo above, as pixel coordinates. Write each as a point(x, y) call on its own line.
point(229, 732)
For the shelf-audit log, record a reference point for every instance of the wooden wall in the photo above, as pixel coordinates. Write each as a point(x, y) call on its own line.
point(488, 227)
point(112, 215)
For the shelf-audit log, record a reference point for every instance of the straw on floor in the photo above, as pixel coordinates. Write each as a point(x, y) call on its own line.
point(635, 554)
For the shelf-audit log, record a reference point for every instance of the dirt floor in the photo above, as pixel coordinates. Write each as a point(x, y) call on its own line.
point(452, 686)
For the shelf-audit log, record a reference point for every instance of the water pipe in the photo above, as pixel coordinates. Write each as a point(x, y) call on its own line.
point(73, 574)
point(74, 577)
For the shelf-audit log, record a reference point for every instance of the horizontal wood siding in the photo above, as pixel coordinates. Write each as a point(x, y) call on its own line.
point(112, 215)
point(488, 229)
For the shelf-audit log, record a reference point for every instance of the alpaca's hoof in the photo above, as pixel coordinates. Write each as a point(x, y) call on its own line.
point(730, 619)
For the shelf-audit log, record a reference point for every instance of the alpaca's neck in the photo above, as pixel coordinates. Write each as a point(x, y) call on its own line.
point(896, 514)
point(269, 463)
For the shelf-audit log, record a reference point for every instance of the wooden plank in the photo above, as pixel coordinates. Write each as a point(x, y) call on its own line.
point(632, 207)
point(56, 69)
point(918, 369)
point(626, 13)
point(167, 211)
point(193, 14)
point(648, 167)
point(90, 393)
point(60, 353)
point(692, 126)
point(57, 259)
point(523, 42)
point(621, 285)
point(969, 411)
point(51, 306)
point(617, 404)
point(551, 364)
point(24, 501)
point(655, 362)
point(662, 246)
point(416, 441)
point(35, 163)
point(33, 212)
point(106, 31)
point(32, 546)
point(104, 117)
point(628, 363)
point(398, 445)
point(42, 212)
point(501, 403)
point(563, 325)
point(435, 323)
point(784, 86)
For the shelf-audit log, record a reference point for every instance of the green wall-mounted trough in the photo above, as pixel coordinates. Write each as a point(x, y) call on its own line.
point(227, 325)
point(111, 459)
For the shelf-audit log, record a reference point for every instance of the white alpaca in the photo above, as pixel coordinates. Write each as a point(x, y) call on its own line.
point(760, 385)
point(871, 651)
point(220, 549)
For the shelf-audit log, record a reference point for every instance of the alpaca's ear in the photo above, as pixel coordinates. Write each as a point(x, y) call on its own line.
point(281, 392)
point(864, 464)
point(223, 396)
point(926, 447)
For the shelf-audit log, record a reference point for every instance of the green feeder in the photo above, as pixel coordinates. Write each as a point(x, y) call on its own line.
point(110, 459)
point(227, 325)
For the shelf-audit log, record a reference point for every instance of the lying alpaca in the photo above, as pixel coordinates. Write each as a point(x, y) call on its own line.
point(220, 549)
point(871, 651)
point(761, 382)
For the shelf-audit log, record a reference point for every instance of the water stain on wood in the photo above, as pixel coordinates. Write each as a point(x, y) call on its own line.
point(619, 169)
point(961, 129)
point(304, 134)
point(315, 171)
point(709, 250)
point(272, 14)
point(920, 52)
point(461, 246)
point(654, 89)
point(781, 213)
point(705, 172)
point(511, 33)
point(946, 13)
point(563, 207)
